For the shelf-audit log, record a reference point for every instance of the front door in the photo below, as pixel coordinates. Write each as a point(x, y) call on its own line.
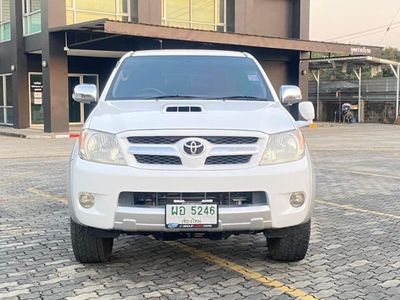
point(77, 111)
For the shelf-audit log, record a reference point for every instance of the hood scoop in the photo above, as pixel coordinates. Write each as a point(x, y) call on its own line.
point(183, 108)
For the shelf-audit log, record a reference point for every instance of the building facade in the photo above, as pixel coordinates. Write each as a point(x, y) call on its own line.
point(49, 46)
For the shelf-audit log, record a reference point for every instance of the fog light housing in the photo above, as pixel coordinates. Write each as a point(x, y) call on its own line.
point(86, 200)
point(239, 200)
point(297, 199)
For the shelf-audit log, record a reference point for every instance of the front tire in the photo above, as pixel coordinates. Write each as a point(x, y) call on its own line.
point(291, 244)
point(89, 247)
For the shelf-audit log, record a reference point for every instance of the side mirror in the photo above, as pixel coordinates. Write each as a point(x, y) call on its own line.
point(290, 94)
point(85, 93)
point(307, 111)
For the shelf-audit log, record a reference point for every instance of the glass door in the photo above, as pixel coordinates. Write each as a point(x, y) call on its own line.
point(75, 108)
point(36, 98)
point(6, 106)
point(78, 112)
point(93, 79)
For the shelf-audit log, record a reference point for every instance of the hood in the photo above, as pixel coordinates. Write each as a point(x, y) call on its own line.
point(118, 116)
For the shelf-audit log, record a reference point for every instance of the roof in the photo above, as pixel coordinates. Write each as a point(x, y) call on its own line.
point(225, 38)
point(350, 61)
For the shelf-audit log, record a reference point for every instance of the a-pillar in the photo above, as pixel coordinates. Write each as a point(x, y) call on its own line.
point(20, 86)
point(54, 68)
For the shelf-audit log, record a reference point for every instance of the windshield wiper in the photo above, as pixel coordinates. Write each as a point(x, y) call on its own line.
point(241, 97)
point(173, 97)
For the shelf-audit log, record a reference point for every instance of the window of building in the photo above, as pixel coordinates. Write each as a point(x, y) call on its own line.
point(5, 30)
point(197, 14)
point(86, 10)
point(32, 17)
point(6, 106)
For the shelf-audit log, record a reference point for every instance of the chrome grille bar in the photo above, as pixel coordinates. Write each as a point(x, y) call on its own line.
point(220, 140)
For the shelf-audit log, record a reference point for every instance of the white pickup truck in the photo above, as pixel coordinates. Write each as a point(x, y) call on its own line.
point(191, 143)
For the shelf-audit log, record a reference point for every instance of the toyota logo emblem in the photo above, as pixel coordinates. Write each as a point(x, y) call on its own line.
point(193, 147)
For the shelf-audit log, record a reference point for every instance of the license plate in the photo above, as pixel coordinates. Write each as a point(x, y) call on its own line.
point(191, 215)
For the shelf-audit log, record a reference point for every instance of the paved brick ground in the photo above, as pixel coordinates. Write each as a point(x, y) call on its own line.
point(354, 253)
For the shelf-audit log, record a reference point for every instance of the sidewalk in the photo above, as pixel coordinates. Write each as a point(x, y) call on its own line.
point(38, 133)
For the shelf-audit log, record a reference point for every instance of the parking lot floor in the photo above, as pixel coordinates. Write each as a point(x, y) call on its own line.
point(354, 251)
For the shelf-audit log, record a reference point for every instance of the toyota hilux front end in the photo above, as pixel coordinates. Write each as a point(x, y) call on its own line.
point(185, 143)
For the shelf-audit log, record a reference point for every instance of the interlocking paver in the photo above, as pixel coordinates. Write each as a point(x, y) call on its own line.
point(390, 283)
point(352, 255)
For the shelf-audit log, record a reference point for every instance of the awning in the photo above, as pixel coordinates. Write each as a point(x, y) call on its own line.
point(109, 27)
point(354, 64)
point(350, 62)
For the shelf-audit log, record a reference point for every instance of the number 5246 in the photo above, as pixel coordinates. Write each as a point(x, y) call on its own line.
point(201, 210)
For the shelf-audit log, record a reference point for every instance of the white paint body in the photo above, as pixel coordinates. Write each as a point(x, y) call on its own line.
point(218, 118)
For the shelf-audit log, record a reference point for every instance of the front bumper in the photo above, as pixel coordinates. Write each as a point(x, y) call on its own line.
point(106, 182)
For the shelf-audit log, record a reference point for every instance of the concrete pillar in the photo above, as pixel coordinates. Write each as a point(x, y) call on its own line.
point(55, 85)
point(20, 87)
point(362, 111)
point(303, 74)
point(55, 73)
point(301, 19)
point(323, 113)
point(301, 30)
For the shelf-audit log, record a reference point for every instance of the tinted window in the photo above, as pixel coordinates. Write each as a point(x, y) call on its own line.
point(143, 77)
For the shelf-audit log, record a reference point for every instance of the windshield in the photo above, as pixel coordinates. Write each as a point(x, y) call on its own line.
point(186, 77)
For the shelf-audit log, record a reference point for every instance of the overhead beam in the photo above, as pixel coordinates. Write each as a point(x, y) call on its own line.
point(354, 61)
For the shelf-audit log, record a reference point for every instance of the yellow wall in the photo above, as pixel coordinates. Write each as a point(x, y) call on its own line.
point(86, 10)
point(198, 14)
point(203, 14)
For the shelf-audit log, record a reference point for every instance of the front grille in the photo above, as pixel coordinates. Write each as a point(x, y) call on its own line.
point(220, 140)
point(131, 199)
point(228, 160)
point(231, 139)
point(158, 159)
point(176, 160)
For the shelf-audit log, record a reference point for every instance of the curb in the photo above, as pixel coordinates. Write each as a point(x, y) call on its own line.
point(12, 134)
point(74, 135)
point(38, 136)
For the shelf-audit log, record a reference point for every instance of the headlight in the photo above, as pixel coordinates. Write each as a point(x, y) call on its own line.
point(284, 147)
point(100, 147)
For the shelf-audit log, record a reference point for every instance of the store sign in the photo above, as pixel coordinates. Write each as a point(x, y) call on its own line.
point(37, 91)
point(360, 50)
